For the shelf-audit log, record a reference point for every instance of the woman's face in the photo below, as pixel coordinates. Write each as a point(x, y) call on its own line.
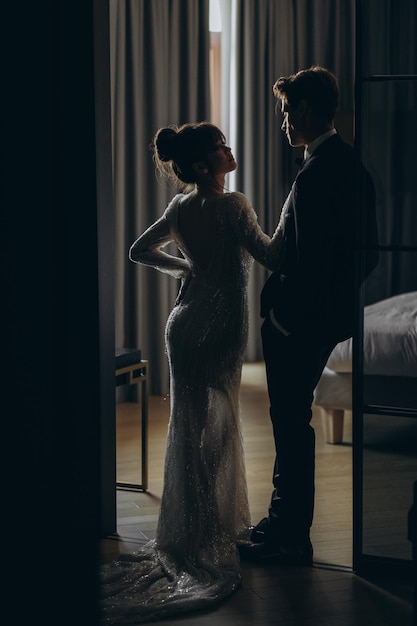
point(221, 160)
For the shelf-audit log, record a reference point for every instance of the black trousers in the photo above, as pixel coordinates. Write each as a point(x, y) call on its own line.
point(294, 364)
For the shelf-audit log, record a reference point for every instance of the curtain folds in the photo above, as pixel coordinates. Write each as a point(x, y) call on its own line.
point(275, 38)
point(160, 76)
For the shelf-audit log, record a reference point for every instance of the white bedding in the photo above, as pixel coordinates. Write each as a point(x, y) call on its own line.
point(334, 390)
point(390, 350)
point(390, 339)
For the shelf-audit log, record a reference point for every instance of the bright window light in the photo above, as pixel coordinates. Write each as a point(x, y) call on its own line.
point(215, 17)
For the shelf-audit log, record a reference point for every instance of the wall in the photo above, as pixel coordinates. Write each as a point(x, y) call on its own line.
point(51, 428)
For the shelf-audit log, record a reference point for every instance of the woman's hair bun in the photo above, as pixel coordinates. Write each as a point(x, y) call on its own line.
point(166, 144)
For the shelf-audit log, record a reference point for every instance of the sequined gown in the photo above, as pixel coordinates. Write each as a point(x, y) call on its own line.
point(193, 563)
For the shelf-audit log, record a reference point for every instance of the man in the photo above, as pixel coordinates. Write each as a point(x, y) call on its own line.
point(308, 305)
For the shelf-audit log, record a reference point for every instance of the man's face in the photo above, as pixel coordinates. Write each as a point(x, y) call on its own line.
point(292, 125)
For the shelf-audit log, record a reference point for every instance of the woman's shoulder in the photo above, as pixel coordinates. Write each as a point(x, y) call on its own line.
point(235, 196)
point(235, 200)
point(173, 205)
point(240, 204)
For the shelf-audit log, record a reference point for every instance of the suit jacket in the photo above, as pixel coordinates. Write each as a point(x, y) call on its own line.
point(314, 288)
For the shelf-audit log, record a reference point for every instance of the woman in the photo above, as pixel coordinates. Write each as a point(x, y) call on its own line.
point(193, 563)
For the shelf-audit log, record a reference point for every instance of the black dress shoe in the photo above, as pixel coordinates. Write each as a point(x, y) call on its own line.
point(289, 554)
point(260, 532)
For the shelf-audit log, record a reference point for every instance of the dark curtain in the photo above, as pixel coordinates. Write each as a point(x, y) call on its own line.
point(160, 76)
point(276, 38)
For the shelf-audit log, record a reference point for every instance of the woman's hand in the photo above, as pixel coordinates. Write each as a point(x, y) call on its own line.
point(185, 281)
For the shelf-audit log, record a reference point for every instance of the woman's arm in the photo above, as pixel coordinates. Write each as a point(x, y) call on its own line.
point(147, 250)
point(269, 251)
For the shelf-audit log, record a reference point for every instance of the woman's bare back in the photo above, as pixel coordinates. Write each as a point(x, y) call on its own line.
point(197, 220)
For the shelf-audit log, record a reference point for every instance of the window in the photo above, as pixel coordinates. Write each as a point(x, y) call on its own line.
point(215, 61)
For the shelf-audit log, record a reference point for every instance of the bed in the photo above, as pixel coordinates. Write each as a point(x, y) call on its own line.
point(390, 364)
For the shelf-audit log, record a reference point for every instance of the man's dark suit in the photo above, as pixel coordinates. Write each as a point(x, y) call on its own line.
point(311, 297)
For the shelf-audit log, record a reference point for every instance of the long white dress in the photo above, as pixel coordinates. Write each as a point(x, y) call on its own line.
point(193, 563)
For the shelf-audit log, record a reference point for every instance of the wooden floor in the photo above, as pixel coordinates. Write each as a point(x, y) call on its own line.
point(328, 594)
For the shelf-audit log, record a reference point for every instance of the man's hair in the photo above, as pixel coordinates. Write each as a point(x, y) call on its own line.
point(316, 85)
